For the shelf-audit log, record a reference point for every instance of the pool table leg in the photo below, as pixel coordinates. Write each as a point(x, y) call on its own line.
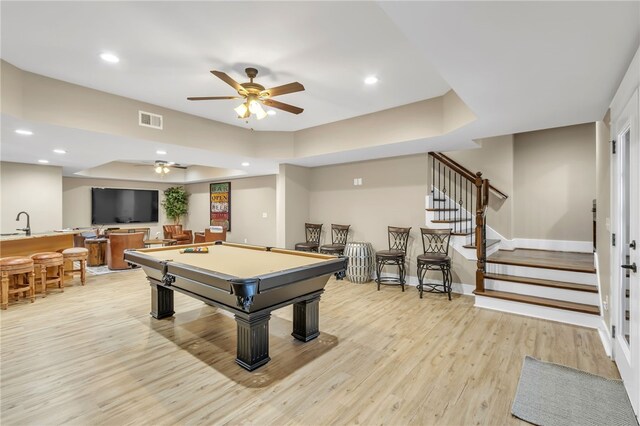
point(253, 340)
point(306, 319)
point(161, 301)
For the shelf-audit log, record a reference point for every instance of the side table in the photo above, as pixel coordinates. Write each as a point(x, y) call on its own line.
point(97, 251)
point(360, 262)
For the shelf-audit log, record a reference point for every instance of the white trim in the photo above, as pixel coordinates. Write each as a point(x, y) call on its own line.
point(542, 312)
point(599, 284)
point(605, 337)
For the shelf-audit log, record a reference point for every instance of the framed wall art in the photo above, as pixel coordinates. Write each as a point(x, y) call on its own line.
point(220, 204)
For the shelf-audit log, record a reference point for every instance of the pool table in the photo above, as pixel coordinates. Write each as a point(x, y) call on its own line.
point(249, 281)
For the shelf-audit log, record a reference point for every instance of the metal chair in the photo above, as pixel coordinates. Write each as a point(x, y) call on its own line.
point(395, 256)
point(339, 234)
point(435, 257)
point(312, 234)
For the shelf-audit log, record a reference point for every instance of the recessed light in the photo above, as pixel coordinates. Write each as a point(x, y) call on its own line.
point(59, 151)
point(372, 79)
point(43, 161)
point(161, 152)
point(271, 112)
point(245, 164)
point(109, 57)
point(24, 132)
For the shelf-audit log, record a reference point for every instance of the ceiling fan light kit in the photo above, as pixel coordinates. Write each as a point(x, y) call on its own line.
point(255, 95)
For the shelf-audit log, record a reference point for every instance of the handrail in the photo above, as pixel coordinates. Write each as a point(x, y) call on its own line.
point(463, 171)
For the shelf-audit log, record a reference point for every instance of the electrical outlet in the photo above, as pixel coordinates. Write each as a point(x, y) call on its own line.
point(264, 215)
point(245, 241)
point(605, 303)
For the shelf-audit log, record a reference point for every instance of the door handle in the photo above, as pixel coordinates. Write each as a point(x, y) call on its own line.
point(633, 267)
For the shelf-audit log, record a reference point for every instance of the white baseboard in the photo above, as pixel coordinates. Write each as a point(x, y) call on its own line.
point(542, 312)
point(605, 337)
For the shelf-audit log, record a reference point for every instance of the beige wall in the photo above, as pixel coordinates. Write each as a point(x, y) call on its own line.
point(250, 199)
point(494, 158)
point(34, 189)
point(554, 183)
point(603, 201)
point(76, 200)
point(293, 204)
point(392, 193)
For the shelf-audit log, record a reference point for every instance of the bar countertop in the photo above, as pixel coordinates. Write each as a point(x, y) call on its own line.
point(22, 236)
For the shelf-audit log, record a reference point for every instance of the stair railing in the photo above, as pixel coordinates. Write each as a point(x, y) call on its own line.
point(460, 198)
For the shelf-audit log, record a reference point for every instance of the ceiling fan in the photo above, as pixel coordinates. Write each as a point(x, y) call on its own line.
point(255, 94)
point(164, 167)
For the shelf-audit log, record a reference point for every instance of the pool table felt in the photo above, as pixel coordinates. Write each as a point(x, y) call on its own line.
point(238, 261)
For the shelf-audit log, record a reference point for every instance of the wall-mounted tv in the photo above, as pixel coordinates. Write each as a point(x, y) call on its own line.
point(111, 205)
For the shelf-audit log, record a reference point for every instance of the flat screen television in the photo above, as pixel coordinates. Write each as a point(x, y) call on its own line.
point(111, 205)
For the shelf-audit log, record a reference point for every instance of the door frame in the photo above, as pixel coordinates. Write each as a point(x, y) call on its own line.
point(627, 359)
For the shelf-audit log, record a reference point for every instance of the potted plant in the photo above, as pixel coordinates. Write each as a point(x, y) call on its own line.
point(176, 203)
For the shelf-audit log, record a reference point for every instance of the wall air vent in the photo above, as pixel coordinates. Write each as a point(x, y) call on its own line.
point(148, 119)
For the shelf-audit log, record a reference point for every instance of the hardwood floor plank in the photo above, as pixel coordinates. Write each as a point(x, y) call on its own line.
point(93, 355)
point(561, 260)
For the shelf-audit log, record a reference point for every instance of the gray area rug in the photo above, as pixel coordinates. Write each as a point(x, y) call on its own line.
point(550, 394)
point(102, 270)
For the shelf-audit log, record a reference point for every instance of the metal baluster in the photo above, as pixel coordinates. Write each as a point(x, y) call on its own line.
point(449, 201)
point(455, 195)
point(439, 189)
point(433, 180)
point(472, 212)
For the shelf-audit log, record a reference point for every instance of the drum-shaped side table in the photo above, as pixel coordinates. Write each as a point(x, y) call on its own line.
point(97, 249)
point(360, 265)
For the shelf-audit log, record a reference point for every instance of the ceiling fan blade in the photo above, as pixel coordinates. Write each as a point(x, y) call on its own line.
point(231, 82)
point(281, 105)
point(211, 98)
point(282, 90)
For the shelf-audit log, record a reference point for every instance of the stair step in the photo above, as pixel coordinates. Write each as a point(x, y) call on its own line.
point(442, 210)
point(440, 200)
point(451, 220)
point(489, 244)
point(540, 301)
point(543, 283)
point(462, 232)
point(561, 261)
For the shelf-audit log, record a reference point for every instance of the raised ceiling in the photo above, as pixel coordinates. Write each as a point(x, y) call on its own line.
point(518, 66)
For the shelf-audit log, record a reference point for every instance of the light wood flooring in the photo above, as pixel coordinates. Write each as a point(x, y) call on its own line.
point(93, 355)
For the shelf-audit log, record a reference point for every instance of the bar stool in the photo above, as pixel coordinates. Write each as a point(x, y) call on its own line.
point(312, 233)
point(13, 269)
point(395, 256)
point(76, 254)
point(339, 234)
point(43, 261)
point(435, 257)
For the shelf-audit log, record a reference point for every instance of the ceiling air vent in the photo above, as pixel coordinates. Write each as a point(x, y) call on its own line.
point(148, 119)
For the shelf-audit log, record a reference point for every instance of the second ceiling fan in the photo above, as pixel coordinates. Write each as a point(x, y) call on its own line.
point(255, 94)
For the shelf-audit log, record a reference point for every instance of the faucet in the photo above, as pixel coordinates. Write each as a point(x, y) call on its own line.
point(28, 228)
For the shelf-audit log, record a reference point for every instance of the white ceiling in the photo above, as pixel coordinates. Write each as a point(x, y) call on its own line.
point(166, 50)
point(519, 66)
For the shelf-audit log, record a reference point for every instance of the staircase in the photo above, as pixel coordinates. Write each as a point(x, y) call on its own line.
point(554, 285)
